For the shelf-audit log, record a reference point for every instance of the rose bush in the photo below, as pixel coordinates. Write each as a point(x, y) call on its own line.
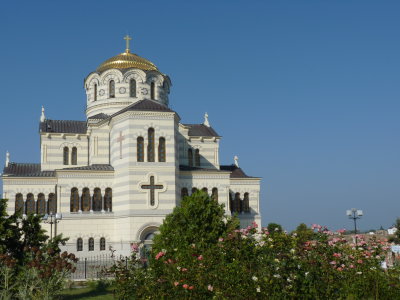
point(253, 263)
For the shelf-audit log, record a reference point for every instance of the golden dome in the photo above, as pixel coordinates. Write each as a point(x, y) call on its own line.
point(127, 60)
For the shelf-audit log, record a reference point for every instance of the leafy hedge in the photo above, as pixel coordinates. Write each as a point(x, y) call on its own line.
point(201, 254)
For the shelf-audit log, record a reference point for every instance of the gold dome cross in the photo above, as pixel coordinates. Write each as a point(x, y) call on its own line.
point(127, 38)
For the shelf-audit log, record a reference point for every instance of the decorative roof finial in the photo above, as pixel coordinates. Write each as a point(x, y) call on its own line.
point(236, 159)
point(7, 158)
point(42, 116)
point(206, 123)
point(127, 38)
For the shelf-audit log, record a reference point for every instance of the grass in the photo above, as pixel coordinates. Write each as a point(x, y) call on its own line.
point(87, 293)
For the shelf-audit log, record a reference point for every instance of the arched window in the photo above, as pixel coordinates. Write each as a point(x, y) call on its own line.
point(237, 203)
point(97, 199)
point(30, 204)
point(102, 244)
point(74, 156)
point(205, 190)
point(41, 204)
point(246, 203)
point(108, 200)
point(194, 190)
point(66, 155)
point(214, 194)
point(95, 92)
point(132, 88)
point(140, 149)
point(111, 89)
point(79, 244)
point(153, 90)
point(74, 200)
point(51, 204)
point(190, 157)
point(91, 244)
point(85, 200)
point(161, 149)
point(197, 158)
point(184, 192)
point(19, 203)
point(150, 146)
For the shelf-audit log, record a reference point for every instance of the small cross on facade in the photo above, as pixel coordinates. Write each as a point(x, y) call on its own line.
point(127, 38)
point(119, 140)
point(152, 187)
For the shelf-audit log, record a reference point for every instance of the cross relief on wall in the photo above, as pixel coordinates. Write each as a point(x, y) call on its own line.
point(120, 140)
point(153, 188)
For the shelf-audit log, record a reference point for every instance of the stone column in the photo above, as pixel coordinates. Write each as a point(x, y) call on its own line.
point(24, 208)
point(80, 202)
point(91, 202)
point(102, 202)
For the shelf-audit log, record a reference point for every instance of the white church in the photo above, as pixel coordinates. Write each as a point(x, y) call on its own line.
point(115, 176)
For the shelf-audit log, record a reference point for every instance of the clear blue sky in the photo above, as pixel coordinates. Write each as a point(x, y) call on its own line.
point(306, 93)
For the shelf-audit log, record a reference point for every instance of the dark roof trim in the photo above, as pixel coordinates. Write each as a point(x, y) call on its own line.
point(100, 116)
point(63, 126)
point(199, 130)
point(236, 172)
point(197, 169)
point(95, 167)
point(26, 170)
point(143, 105)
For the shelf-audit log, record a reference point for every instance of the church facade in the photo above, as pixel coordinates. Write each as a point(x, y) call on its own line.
point(115, 176)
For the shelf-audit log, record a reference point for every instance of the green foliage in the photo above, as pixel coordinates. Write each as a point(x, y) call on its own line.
point(198, 221)
point(273, 227)
point(303, 233)
point(199, 254)
point(31, 266)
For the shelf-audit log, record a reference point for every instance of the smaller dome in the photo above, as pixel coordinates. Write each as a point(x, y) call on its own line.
point(127, 60)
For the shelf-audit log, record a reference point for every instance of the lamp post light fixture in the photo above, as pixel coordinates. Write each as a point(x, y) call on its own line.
point(51, 219)
point(354, 214)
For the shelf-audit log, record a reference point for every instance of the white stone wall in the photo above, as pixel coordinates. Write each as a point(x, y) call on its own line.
point(14, 185)
point(251, 186)
point(52, 150)
point(99, 144)
point(131, 201)
point(208, 147)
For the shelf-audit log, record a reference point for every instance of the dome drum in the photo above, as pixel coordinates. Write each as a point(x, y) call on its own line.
point(122, 80)
point(112, 90)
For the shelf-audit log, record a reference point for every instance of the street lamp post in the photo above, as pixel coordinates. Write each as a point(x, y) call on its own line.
point(354, 214)
point(51, 219)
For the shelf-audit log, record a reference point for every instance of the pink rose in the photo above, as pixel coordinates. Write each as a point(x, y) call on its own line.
point(185, 286)
point(210, 287)
point(200, 257)
point(159, 255)
point(134, 247)
point(191, 287)
point(176, 283)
